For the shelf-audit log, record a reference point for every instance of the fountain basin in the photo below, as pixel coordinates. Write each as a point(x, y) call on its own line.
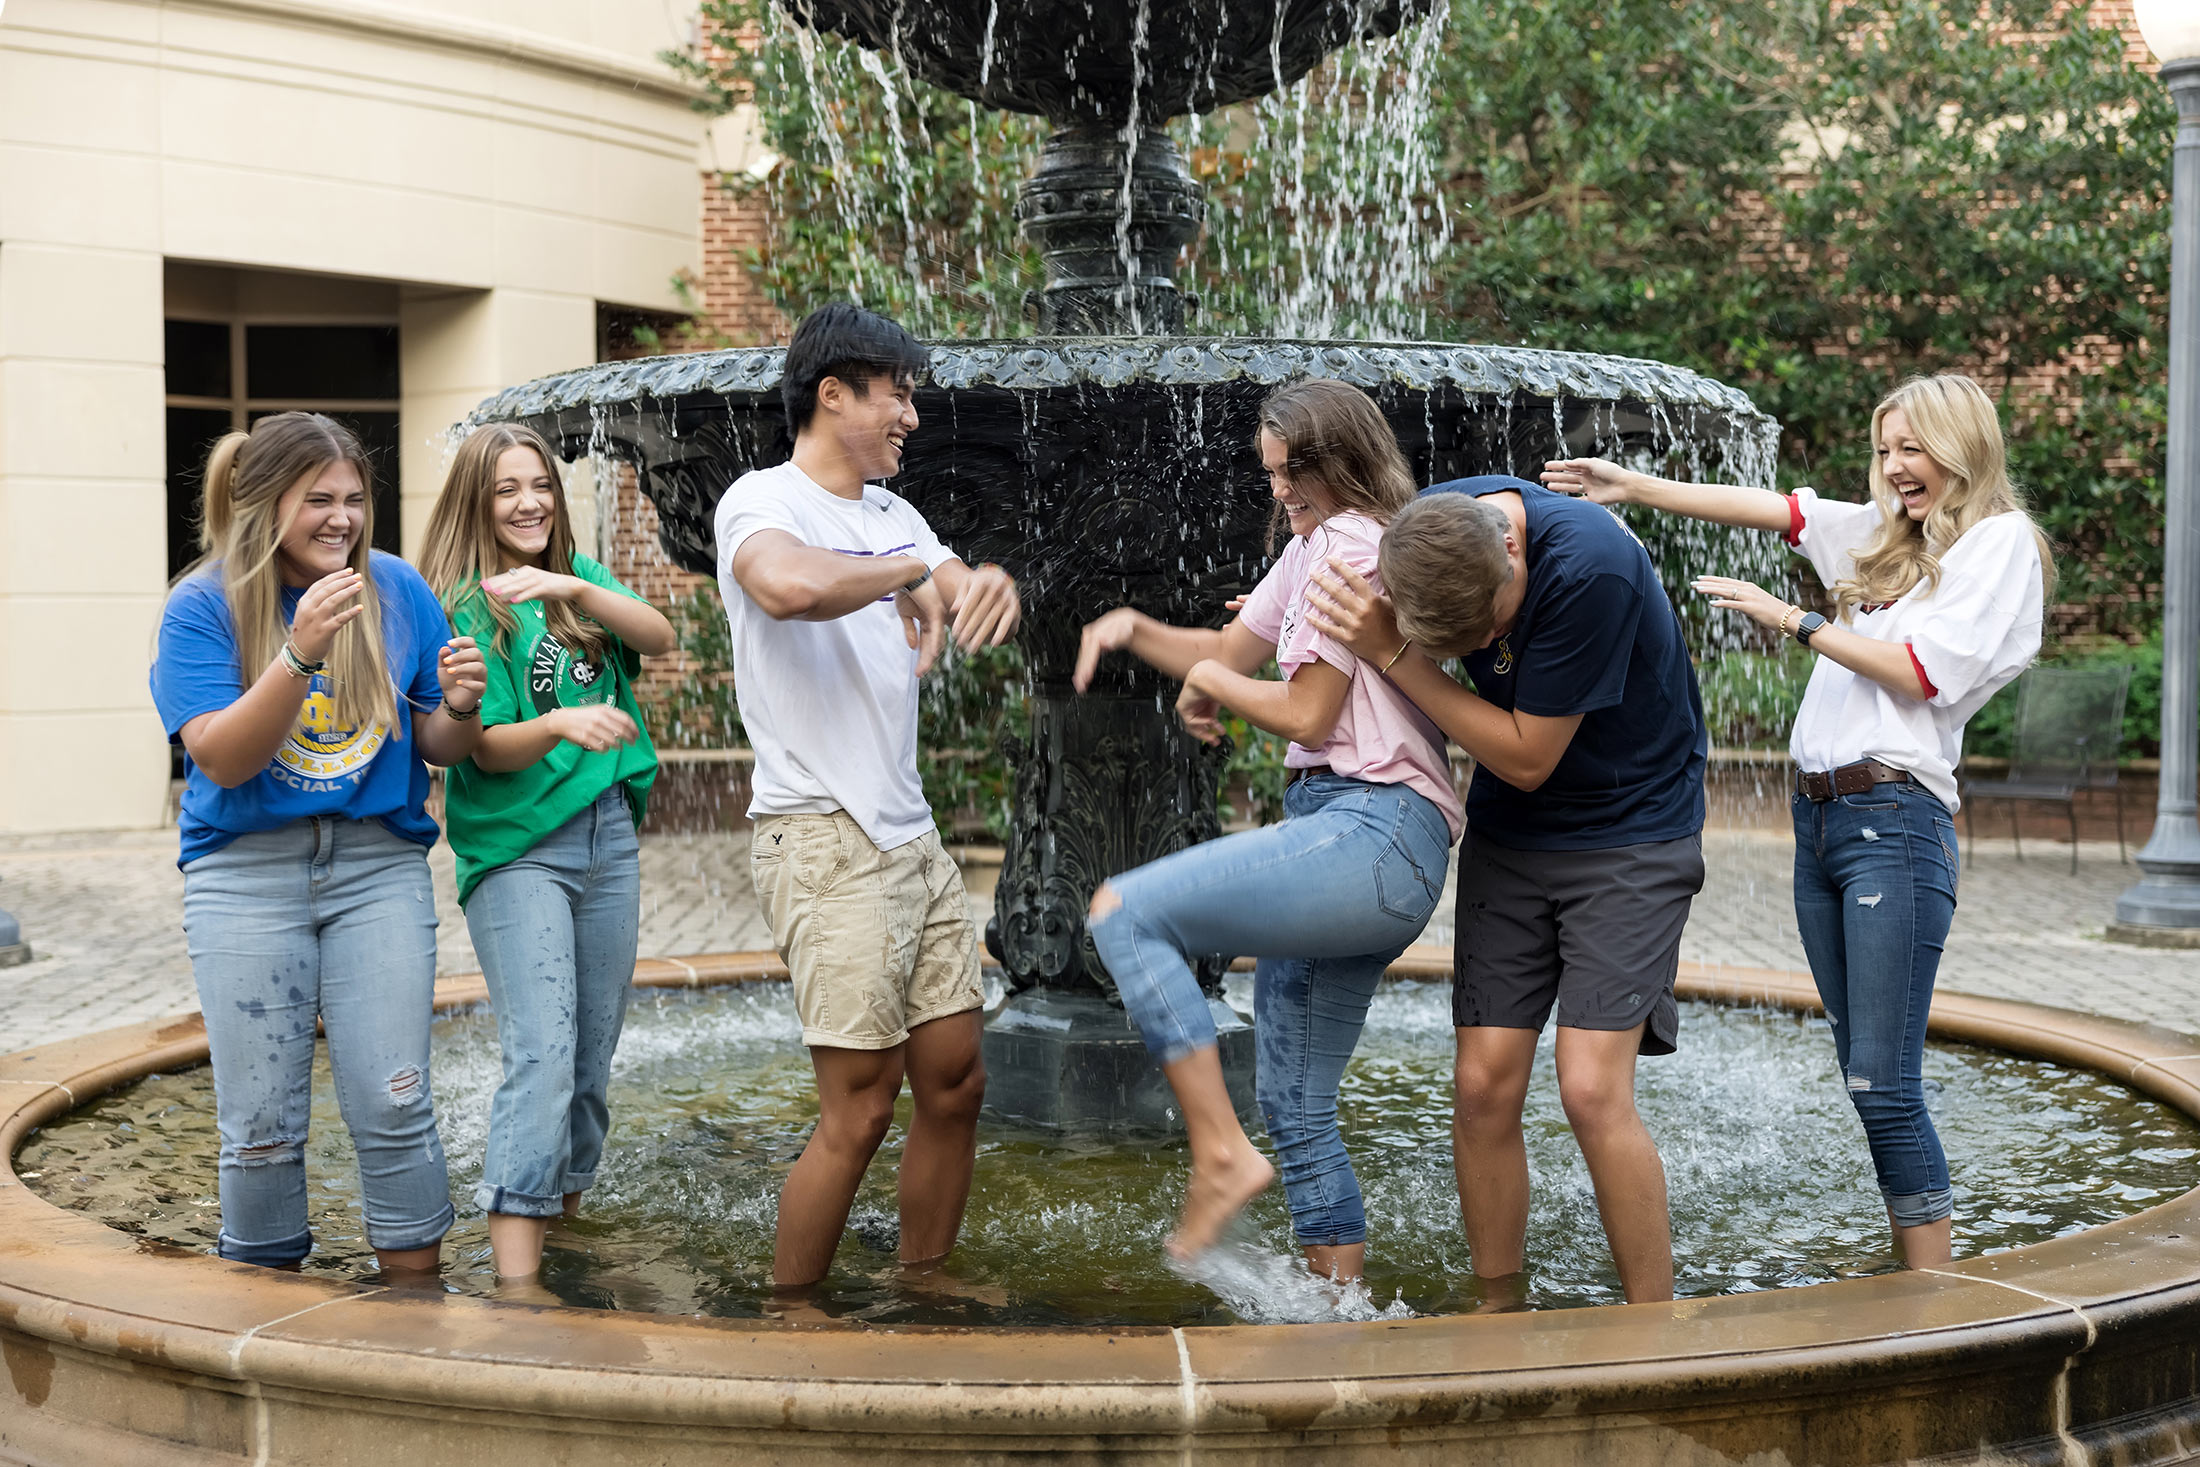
point(118, 1351)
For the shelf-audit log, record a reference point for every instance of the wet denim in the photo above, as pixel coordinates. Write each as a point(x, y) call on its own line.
point(1875, 892)
point(330, 919)
point(1326, 901)
point(556, 932)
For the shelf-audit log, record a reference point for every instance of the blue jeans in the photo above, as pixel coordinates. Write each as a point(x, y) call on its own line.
point(556, 932)
point(1875, 892)
point(330, 919)
point(1326, 901)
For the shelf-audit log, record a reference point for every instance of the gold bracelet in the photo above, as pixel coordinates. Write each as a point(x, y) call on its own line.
point(1396, 655)
point(1794, 611)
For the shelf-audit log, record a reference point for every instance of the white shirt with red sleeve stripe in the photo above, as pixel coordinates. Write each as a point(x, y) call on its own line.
point(1968, 638)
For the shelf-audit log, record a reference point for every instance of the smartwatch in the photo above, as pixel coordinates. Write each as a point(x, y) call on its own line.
point(920, 580)
point(1810, 623)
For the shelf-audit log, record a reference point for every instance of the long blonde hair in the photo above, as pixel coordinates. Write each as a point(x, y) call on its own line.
point(241, 529)
point(460, 548)
point(1955, 423)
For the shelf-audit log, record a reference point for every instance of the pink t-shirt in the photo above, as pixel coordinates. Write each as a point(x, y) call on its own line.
point(1380, 736)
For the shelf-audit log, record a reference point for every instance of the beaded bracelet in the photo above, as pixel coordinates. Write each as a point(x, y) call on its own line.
point(457, 717)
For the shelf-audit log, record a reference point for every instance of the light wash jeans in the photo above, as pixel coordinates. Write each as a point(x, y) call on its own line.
point(556, 932)
point(330, 919)
point(1875, 893)
point(1326, 901)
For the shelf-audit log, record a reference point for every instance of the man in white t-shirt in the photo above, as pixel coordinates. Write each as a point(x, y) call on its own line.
point(839, 598)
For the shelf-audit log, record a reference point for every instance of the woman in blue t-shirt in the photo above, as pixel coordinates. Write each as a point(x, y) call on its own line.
point(292, 662)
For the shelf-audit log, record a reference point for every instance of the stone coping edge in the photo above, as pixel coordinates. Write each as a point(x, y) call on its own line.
point(84, 1289)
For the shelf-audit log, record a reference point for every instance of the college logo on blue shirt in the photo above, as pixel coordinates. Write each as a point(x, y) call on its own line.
point(318, 756)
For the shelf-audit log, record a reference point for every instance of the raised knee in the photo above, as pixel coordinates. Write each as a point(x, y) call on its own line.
point(1106, 902)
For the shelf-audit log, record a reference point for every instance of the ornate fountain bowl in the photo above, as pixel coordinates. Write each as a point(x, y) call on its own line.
point(1107, 471)
point(1108, 62)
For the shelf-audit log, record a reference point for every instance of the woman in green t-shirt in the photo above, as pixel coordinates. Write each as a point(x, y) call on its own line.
point(542, 818)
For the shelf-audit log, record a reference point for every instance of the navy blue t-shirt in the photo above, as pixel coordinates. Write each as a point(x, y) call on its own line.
point(356, 774)
point(1596, 636)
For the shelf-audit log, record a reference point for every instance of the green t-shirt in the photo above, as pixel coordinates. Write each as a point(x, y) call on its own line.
point(495, 818)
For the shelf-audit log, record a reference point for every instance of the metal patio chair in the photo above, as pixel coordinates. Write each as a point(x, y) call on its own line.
point(2070, 725)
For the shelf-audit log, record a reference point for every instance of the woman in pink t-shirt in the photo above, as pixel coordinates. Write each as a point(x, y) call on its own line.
point(1326, 900)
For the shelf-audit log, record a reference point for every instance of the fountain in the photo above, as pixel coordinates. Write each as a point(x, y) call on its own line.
point(1109, 461)
point(1103, 466)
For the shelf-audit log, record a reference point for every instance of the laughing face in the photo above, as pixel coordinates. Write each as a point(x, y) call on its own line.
point(1304, 502)
point(873, 426)
point(1908, 469)
point(327, 515)
point(522, 506)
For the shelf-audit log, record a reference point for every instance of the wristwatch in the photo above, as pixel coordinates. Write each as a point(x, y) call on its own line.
point(1810, 623)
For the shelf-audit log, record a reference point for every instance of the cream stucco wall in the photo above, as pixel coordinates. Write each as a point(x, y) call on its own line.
point(504, 166)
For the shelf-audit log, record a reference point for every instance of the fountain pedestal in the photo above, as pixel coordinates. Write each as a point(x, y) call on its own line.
point(1071, 1061)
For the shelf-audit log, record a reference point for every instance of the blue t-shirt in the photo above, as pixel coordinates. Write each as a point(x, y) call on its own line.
point(1596, 636)
point(355, 774)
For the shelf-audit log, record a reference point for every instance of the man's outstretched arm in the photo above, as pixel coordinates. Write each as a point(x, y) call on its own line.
point(792, 581)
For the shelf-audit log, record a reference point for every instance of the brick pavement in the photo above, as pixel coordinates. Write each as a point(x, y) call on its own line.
point(103, 914)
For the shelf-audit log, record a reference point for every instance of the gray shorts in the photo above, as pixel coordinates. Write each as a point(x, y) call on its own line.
point(1596, 933)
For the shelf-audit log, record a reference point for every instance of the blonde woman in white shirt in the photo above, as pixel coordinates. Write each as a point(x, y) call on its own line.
point(1938, 587)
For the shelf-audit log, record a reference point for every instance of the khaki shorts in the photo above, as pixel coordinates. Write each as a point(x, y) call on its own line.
point(878, 941)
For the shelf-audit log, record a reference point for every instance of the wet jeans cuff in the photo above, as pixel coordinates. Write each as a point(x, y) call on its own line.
point(281, 1253)
point(404, 1237)
point(1916, 1209)
point(492, 1198)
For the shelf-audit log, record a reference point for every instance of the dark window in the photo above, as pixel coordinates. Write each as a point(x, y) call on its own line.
point(320, 363)
point(191, 432)
point(198, 359)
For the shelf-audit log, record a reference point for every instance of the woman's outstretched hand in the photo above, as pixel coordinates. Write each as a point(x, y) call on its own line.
point(1750, 599)
point(1595, 479)
point(1111, 632)
point(1341, 603)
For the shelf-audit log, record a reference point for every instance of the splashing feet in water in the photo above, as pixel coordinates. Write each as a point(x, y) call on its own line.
point(1219, 1190)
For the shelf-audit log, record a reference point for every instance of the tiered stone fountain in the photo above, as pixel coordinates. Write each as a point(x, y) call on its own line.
point(1109, 461)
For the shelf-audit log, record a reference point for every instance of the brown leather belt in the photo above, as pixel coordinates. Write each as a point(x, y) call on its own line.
point(1307, 773)
point(1849, 779)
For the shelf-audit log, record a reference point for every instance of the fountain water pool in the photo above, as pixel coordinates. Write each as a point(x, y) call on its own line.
point(713, 1097)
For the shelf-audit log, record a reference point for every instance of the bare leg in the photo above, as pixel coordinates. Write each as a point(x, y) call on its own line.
point(1596, 1083)
point(1338, 1262)
point(1489, 1155)
point(1928, 1245)
point(1228, 1171)
point(947, 1083)
point(856, 1089)
point(573, 1203)
point(516, 1243)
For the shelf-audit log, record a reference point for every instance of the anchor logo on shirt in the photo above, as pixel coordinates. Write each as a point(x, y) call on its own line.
point(1504, 656)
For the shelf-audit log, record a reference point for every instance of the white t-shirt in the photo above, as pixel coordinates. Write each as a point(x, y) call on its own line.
point(1969, 637)
point(830, 706)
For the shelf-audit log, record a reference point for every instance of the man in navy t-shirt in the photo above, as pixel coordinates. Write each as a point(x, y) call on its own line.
point(1584, 841)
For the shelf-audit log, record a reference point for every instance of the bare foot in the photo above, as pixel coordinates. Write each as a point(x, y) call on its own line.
point(526, 1288)
point(1217, 1193)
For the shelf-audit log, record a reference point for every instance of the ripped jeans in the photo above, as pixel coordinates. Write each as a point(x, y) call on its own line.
point(1875, 892)
point(334, 920)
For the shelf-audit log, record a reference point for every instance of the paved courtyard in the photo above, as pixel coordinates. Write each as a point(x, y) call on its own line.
point(103, 915)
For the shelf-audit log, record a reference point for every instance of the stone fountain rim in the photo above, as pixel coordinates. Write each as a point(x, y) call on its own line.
point(1069, 362)
point(86, 1290)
